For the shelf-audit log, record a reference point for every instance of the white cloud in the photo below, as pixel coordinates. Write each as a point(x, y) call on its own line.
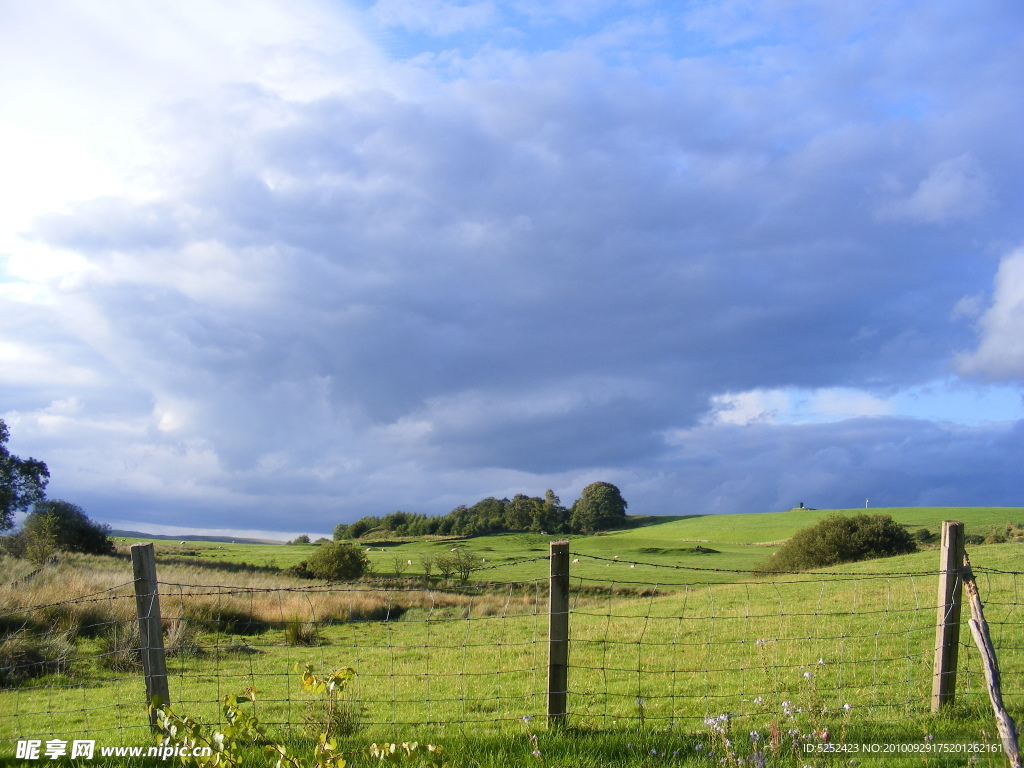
point(794, 406)
point(1000, 351)
point(748, 407)
point(954, 189)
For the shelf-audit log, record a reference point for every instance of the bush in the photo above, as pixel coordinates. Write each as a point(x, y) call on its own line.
point(25, 655)
point(69, 528)
point(337, 562)
point(840, 539)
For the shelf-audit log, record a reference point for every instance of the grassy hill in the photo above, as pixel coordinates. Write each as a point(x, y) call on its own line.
point(738, 543)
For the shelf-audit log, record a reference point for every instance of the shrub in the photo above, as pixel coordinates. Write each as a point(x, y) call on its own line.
point(301, 633)
point(840, 539)
point(119, 647)
point(25, 655)
point(337, 562)
point(69, 527)
point(181, 639)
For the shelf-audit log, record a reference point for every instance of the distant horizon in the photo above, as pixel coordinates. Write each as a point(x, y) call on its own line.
point(173, 531)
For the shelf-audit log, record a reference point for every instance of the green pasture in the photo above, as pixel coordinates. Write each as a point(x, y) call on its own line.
point(741, 543)
point(655, 650)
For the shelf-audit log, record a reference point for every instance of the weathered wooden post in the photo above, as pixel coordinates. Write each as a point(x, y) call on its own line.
point(558, 634)
point(147, 607)
point(979, 630)
point(947, 624)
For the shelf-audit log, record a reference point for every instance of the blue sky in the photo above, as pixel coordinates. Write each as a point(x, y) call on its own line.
point(273, 266)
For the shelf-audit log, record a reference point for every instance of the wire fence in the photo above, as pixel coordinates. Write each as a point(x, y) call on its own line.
point(674, 651)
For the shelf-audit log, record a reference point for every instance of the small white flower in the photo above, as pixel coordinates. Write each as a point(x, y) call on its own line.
point(758, 700)
point(807, 675)
point(847, 707)
point(762, 641)
point(754, 736)
point(821, 661)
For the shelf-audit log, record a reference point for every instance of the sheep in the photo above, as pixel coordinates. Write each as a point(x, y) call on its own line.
point(576, 560)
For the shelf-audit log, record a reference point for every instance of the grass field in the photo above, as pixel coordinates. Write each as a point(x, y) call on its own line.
point(742, 542)
point(655, 650)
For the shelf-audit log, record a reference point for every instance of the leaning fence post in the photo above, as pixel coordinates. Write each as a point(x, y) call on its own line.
point(979, 629)
point(947, 625)
point(558, 633)
point(151, 636)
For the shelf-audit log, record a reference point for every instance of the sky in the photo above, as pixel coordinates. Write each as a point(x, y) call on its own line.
point(270, 266)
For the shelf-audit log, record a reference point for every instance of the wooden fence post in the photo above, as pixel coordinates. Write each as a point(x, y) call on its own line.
point(947, 624)
point(558, 634)
point(147, 607)
point(979, 630)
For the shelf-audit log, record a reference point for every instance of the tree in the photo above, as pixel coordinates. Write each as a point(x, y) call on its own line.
point(551, 516)
point(22, 482)
point(599, 507)
point(337, 562)
point(74, 531)
point(840, 539)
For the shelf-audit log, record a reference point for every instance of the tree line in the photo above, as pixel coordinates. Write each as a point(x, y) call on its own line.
point(600, 507)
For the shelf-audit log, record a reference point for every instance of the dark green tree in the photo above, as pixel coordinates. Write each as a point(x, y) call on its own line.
point(74, 531)
point(599, 508)
point(22, 482)
point(840, 539)
point(551, 516)
point(519, 512)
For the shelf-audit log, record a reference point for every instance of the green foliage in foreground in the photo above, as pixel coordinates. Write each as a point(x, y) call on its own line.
point(840, 539)
point(196, 743)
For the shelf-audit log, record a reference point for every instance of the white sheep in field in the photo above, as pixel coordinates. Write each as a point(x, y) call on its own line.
point(456, 549)
point(183, 543)
point(576, 560)
point(615, 558)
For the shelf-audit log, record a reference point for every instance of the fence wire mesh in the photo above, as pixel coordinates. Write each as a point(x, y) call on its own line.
point(671, 651)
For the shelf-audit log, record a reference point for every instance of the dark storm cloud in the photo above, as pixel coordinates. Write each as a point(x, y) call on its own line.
point(537, 265)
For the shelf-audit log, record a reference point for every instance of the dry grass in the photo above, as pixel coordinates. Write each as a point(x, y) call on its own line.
point(85, 595)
